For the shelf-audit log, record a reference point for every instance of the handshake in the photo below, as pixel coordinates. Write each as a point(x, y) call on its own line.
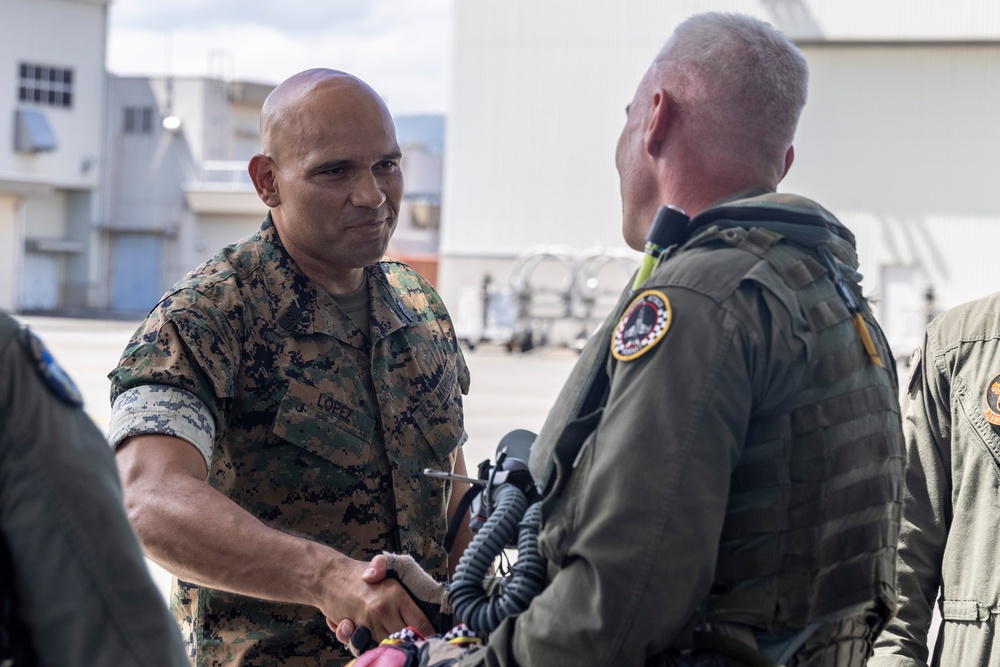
point(507, 513)
point(408, 648)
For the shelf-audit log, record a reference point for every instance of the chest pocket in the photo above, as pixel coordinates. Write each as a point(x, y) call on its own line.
point(439, 417)
point(973, 405)
point(324, 425)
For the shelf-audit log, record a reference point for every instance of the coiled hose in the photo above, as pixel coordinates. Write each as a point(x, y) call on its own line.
point(472, 604)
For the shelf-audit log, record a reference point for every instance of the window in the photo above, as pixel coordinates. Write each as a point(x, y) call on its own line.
point(138, 120)
point(42, 84)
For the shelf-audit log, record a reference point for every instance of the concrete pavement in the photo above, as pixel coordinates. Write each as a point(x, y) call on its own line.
point(509, 390)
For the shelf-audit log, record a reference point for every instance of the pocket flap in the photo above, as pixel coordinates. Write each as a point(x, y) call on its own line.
point(439, 417)
point(324, 425)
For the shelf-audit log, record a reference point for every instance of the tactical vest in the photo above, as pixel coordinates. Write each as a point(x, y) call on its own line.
point(813, 514)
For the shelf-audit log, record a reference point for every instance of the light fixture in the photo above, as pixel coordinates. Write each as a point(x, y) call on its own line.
point(171, 123)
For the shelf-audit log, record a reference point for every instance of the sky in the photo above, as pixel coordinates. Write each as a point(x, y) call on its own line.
point(402, 48)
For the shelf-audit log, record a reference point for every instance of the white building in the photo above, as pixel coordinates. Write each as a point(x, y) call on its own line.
point(52, 86)
point(899, 137)
point(176, 188)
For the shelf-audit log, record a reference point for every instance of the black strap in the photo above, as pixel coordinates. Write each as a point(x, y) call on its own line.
point(747, 215)
point(461, 515)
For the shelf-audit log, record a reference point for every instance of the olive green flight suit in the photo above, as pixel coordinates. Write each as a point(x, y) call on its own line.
point(82, 594)
point(949, 551)
point(744, 466)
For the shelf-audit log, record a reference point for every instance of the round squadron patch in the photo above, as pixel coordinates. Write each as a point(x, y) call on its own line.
point(51, 372)
point(644, 323)
point(992, 411)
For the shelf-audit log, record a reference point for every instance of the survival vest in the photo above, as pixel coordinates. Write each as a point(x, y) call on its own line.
point(813, 514)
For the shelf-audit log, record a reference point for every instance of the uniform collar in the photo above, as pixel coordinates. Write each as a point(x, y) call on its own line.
point(300, 307)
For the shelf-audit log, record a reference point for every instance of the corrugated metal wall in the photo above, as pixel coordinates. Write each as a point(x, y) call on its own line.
point(898, 138)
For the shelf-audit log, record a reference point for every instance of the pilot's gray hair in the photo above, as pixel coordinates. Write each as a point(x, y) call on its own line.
point(743, 78)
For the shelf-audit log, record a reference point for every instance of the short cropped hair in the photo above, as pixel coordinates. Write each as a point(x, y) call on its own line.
point(746, 82)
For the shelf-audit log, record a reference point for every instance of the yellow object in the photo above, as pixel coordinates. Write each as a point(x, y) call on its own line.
point(645, 268)
point(862, 328)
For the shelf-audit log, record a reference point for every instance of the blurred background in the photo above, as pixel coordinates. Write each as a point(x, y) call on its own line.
point(131, 121)
point(129, 124)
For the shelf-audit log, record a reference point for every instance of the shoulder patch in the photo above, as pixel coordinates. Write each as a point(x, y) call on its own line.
point(55, 378)
point(992, 411)
point(642, 326)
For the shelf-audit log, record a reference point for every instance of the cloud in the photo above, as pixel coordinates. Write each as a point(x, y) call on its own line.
point(402, 48)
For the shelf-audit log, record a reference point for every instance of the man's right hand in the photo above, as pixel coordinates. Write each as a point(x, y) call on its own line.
point(203, 537)
point(382, 605)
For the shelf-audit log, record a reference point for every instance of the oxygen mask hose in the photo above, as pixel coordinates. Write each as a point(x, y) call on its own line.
point(511, 517)
point(669, 227)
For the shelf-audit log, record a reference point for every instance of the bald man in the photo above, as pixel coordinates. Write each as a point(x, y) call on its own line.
point(273, 413)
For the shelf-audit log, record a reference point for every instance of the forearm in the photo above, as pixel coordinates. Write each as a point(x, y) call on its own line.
point(225, 547)
point(203, 537)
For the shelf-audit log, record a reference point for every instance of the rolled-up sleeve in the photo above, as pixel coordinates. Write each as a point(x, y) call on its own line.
point(163, 410)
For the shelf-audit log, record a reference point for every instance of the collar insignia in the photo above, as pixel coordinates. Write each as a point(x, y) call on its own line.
point(644, 323)
point(992, 411)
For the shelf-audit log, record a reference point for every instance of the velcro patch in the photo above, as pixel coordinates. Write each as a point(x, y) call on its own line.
point(643, 324)
point(51, 372)
point(992, 411)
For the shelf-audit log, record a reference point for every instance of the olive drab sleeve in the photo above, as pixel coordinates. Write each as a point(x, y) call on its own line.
point(926, 506)
point(83, 588)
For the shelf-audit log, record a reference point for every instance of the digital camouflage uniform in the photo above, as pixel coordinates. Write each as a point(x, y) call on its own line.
point(317, 431)
point(741, 461)
point(74, 588)
point(949, 537)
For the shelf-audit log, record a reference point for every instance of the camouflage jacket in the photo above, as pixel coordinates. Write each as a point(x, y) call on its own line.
point(318, 431)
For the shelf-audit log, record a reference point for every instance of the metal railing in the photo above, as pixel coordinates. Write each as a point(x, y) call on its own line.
point(228, 174)
point(552, 288)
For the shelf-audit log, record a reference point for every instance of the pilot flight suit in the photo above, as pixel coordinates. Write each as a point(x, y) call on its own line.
point(74, 587)
point(725, 461)
point(949, 539)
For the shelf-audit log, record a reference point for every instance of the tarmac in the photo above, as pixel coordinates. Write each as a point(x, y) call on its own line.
point(509, 390)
